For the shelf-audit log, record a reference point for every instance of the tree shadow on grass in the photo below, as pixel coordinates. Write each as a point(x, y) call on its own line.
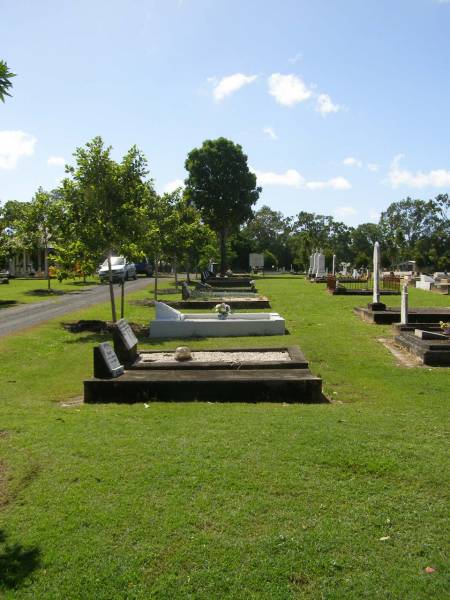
point(17, 562)
point(7, 303)
point(48, 293)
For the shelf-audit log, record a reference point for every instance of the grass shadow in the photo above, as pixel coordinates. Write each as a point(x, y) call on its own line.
point(16, 562)
point(49, 293)
point(90, 338)
point(6, 303)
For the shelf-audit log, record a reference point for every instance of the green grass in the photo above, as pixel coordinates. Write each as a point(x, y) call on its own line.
point(20, 291)
point(211, 501)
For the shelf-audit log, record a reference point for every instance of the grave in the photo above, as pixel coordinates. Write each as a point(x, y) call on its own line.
point(222, 375)
point(391, 315)
point(431, 346)
point(208, 299)
point(170, 323)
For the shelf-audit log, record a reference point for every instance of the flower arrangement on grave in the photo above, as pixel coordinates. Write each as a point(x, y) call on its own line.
point(223, 310)
point(445, 327)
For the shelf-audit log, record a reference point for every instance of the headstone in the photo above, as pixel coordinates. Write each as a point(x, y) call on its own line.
point(185, 291)
point(376, 304)
point(404, 305)
point(106, 363)
point(355, 274)
point(165, 312)
point(320, 265)
point(256, 261)
point(311, 264)
point(334, 264)
point(314, 268)
point(125, 342)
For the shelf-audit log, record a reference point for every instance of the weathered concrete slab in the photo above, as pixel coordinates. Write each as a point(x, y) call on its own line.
point(220, 385)
point(392, 315)
point(431, 352)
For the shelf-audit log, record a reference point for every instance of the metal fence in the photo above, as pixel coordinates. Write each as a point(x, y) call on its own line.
point(390, 283)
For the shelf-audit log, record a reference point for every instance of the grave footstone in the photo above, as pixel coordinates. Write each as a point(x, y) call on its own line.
point(106, 363)
point(125, 342)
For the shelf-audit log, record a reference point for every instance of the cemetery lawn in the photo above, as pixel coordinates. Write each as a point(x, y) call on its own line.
point(20, 291)
point(211, 501)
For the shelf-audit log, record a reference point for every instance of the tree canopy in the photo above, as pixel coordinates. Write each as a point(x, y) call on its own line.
point(222, 187)
point(5, 80)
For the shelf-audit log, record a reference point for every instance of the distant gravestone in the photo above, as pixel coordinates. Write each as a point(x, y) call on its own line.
point(125, 342)
point(106, 363)
point(185, 291)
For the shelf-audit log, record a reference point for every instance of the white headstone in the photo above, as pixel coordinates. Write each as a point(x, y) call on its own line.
point(256, 260)
point(320, 265)
point(167, 313)
point(404, 305)
point(376, 273)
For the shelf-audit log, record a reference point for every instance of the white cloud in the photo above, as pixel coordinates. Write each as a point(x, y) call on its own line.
point(293, 178)
point(325, 106)
point(173, 185)
point(374, 216)
point(230, 84)
point(288, 89)
point(351, 161)
point(336, 183)
point(345, 211)
point(397, 176)
point(13, 145)
point(270, 133)
point(373, 167)
point(295, 59)
point(56, 161)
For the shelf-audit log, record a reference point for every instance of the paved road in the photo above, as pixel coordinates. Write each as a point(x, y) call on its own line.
point(26, 315)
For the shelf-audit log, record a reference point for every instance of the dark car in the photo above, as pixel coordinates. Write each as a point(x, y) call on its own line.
point(144, 267)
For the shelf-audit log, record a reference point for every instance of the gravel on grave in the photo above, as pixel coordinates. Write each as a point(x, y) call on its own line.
point(241, 356)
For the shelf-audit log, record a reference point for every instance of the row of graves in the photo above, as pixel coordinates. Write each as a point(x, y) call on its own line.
point(425, 332)
point(125, 373)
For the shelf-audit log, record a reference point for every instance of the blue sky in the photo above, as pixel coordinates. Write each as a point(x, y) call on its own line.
point(342, 106)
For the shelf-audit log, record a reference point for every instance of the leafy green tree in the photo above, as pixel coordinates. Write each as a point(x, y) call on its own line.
point(222, 187)
point(40, 224)
point(5, 80)
point(107, 202)
point(268, 231)
point(319, 232)
point(417, 230)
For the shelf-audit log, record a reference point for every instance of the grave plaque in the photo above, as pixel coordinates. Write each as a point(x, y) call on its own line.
point(125, 342)
point(128, 337)
point(106, 363)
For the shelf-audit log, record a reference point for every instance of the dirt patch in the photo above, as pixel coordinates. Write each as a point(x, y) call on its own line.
point(403, 357)
point(72, 402)
point(97, 326)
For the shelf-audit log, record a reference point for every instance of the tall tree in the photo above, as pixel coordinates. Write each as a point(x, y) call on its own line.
point(109, 199)
point(5, 80)
point(40, 224)
point(222, 187)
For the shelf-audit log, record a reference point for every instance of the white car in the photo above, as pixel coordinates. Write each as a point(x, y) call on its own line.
point(121, 269)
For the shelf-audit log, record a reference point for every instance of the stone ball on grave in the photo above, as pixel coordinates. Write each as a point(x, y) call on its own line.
point(183, 353)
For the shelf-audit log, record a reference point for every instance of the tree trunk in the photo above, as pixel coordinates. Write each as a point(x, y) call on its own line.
point(46, 269)
point(223, 251)
point(122, 299)
point(175, 271)
point(155, 293)
point(111, 290)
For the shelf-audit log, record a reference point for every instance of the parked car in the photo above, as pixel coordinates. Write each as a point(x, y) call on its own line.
point(144, 267)
point(122, 270)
